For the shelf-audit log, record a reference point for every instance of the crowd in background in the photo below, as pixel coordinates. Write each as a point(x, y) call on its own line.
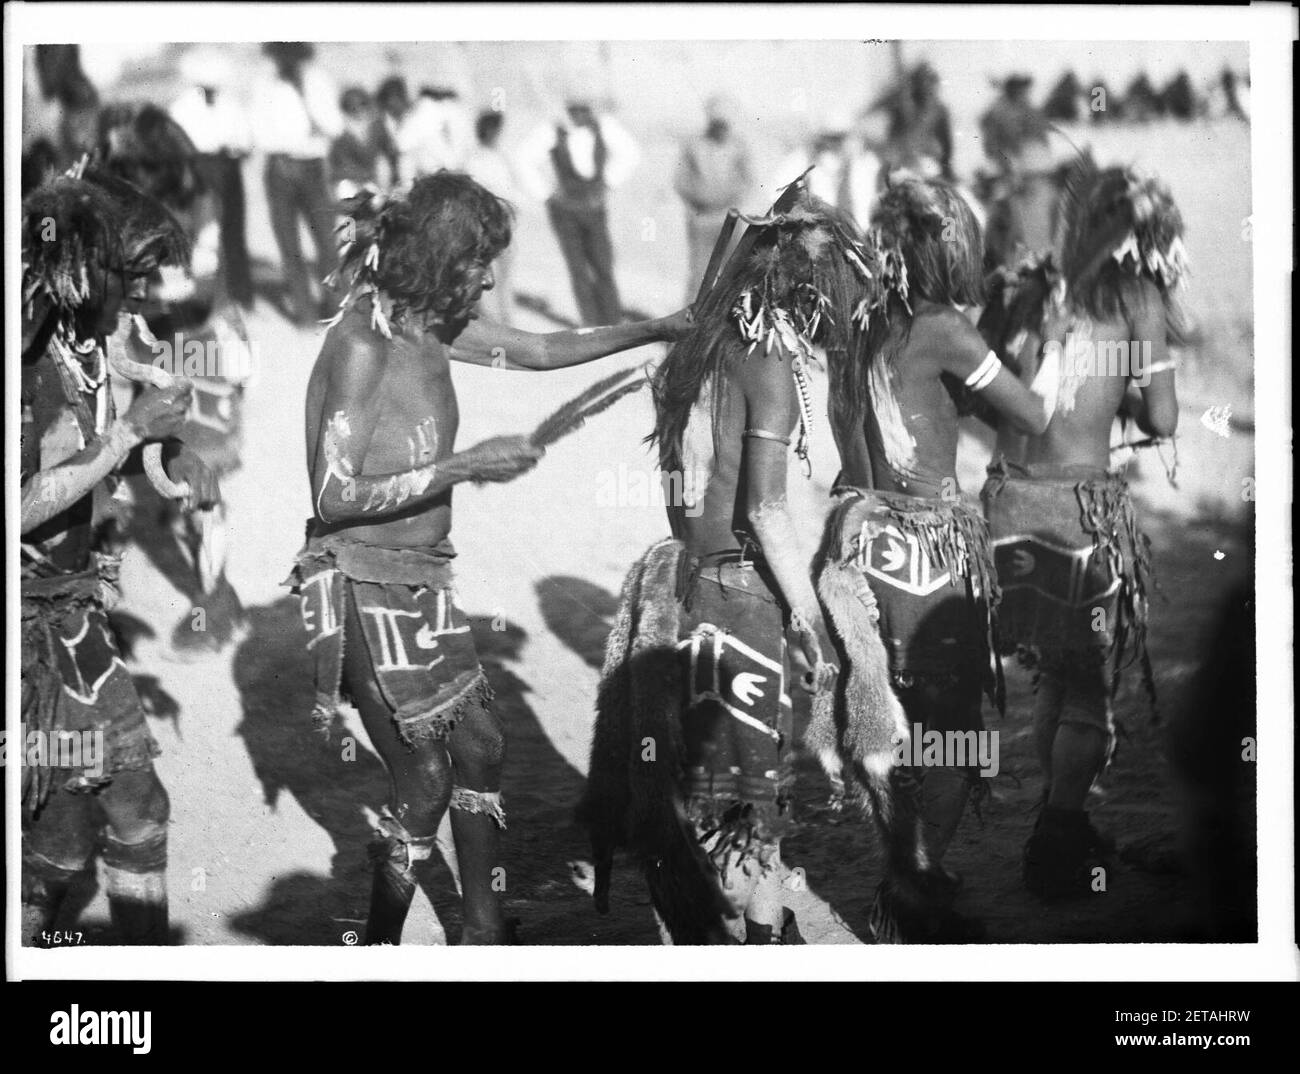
point(322, 144)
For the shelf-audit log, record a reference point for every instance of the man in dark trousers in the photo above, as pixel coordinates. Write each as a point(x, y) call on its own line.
point(297, 116)
point(571, 166)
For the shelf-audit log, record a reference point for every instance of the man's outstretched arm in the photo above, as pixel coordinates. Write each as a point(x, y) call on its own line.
point(488, 342)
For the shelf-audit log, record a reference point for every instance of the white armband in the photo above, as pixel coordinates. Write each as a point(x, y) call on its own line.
point(984, 374)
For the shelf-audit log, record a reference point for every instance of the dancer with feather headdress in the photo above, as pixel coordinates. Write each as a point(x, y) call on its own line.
point(1074, 567)
point(691, 754)
point(189, 325)
point(901, 532)
point(88, 243)
point(375, 576)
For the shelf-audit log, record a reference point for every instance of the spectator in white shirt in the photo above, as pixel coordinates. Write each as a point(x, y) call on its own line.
point(209, 114)
point(436, 133)
point(297, 117)
point(570, 165)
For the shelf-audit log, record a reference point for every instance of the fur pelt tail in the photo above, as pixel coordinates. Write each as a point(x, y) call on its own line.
point(856, 732)
point(634, 788)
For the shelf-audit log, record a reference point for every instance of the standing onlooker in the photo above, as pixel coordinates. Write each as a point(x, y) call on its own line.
point(394, 103)
point(355, 154)
point(846, 163)
point(297, 115)
point(491, 168)
point(217, 126)
point(571, 165)
point(713, 174)
point(437, 133)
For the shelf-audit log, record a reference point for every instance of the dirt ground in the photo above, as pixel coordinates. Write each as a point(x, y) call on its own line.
point(270, 823)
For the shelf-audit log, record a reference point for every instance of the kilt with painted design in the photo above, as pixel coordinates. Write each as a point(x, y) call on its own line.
point(930, 567)
point(417, 636)
point(75, 684)
point(1075, 570)
point(737, 720)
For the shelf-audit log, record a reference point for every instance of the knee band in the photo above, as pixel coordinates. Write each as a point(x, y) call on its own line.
point(394, 846)
point(43, 880)
point(147, 856)
point(489, 802)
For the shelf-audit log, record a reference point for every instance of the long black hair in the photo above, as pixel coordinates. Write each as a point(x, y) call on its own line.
point(924, 243)
point(1119, 226)
point(421, 249)
point(80, 228)
point(800, 282)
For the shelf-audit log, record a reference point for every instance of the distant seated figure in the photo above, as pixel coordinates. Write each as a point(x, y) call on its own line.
point(1012, 124)
point(1180, 99)
point(1142, 102)
point(1062, 103)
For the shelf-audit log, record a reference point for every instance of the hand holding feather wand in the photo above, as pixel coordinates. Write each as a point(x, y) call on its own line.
point(505, 457)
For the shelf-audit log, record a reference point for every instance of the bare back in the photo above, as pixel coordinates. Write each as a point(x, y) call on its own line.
point(756, 393)
point(1100, 359)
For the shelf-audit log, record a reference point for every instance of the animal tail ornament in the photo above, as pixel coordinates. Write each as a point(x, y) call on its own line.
point(634, 799)
point(855, 731)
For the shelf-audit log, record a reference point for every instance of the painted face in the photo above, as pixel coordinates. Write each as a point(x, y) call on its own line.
point(121, 292)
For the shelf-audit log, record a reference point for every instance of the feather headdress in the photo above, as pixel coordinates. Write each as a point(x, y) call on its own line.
point(798, 285)
point(1117, 224)
point(81, 226)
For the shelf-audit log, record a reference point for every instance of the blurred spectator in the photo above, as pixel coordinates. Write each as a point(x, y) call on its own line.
point(713, 174)
point(297, 116)
point(355, 154)
point(394, 103)
point(847, 163)
point(218, 128)
point(920, 127)
point(1062, 104)
point(1141, 101)
point(436, 133)
point(1236, 94)
point(62, 80)
point(491, 167)
point(571, 165)
point(1180, 100)
point(1105, 106)
point(1011, 125)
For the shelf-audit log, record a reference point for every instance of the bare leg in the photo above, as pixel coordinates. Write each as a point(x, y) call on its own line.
point(420, 788)
point(477, 747)
point(57, 845)
point(1049, 696)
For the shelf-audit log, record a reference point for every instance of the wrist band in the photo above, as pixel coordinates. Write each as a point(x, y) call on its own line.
point(1160, 367)
point(984, 373)
point(763, 434)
